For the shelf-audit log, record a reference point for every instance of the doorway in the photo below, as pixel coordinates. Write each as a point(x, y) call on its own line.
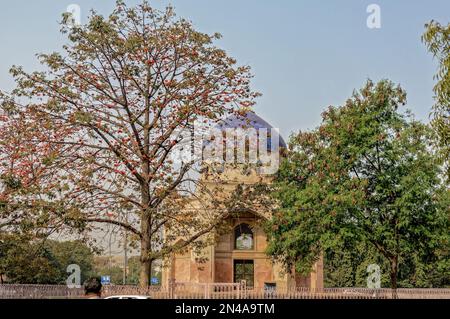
point(244, 270)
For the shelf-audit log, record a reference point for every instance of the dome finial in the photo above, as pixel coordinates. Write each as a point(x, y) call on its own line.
point(244, 108)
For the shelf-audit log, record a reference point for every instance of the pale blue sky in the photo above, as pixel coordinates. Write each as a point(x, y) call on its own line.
point(305, 55)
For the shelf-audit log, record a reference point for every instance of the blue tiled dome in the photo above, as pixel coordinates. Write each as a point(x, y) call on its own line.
point(250, 120)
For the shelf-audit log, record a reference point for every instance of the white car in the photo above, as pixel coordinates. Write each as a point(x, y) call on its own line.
point(128, 297)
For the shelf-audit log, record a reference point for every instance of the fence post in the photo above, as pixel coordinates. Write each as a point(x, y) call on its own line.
point(171, 288)
point(244, 289)
point(238, 292)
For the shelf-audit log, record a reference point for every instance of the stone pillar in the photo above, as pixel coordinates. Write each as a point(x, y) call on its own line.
point(317, 275)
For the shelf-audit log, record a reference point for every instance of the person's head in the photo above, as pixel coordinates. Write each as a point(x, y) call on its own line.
point(93, 286)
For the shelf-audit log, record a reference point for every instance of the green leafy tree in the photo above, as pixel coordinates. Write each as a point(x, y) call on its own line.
point(368, 173)
point(346, 266)
point(71, 252)
point(27, 261)
point(437, 39)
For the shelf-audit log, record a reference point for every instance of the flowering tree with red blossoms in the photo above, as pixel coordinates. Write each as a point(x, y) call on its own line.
point(28, 200)
point(97, 128)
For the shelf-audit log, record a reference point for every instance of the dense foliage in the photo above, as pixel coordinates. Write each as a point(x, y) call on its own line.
point(437, 39)
point(26, 261)
point(369, 174)
point(347, 266)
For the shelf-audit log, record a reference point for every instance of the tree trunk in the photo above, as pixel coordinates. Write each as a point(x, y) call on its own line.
point(146, 243)
point(146, 262)
point(393, 273)
point(144, 275)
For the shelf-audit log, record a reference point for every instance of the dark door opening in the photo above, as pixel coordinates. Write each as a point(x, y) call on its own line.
point(244, 270)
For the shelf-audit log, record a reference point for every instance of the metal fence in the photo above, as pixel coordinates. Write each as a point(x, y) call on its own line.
point(350, 293)
point(179, 290)
point(38, 291)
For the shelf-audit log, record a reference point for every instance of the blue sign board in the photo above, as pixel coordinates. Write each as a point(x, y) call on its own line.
point(154, 281)
point(106, 280)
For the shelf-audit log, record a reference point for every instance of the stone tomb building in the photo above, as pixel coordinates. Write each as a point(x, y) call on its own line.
point(240, 254)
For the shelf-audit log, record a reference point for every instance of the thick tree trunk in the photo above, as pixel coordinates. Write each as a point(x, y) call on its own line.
point(146, 262)
point(146, 243)
point(144, 276)
point(393, 273)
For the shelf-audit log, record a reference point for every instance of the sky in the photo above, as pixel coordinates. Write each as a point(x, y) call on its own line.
point(305, 55)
